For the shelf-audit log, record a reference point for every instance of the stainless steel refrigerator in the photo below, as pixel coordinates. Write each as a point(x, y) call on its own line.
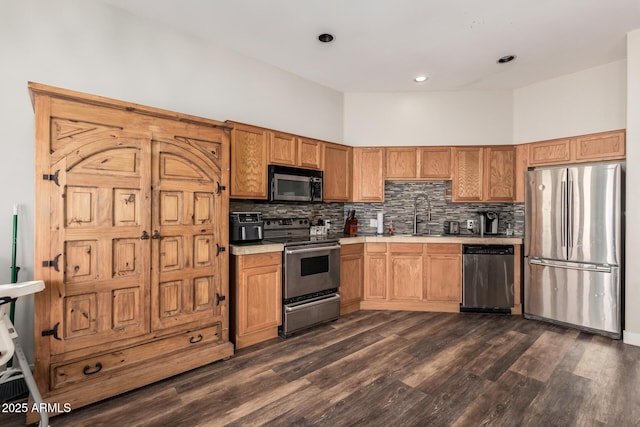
point(573, 246)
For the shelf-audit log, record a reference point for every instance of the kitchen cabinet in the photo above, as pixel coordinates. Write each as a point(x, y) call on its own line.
point(600, 146)
point(131, 224)
point(351, 277)
point(406, 274)
point(249, 162)
point(257, 297)
point(337, 172)
point(443, 272)
point(557, 151)
point(418, 163)
point(522, 165)
point(401, 163)
point(295, 151)
point(468, 164)
point(375, 271)
point(435, 163)
point(499, 168)
point(368, 174)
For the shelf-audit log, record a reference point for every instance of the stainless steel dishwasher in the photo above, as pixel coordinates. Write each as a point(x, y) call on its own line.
point(487, 278)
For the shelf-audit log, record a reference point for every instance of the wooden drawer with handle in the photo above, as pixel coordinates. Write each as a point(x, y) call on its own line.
point(99, 366)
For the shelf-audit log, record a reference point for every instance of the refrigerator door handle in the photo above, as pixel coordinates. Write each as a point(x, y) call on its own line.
point(563, 215)
point(582, 267)
point(570, 216)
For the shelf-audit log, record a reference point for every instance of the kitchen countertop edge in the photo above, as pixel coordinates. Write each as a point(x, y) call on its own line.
point(500, 240)
point(258, 248)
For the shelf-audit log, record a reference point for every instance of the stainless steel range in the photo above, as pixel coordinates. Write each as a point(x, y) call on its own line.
point(311, 274)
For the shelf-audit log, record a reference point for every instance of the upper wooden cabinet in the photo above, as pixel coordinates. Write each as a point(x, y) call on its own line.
point(429, 163)
point(434, 162)
point(401, 163)
point(291, 150)
point(468, 166)
point(552, 152)
point(522, 164)
point(600, 146)
point(310, 153)
point(249, 162)
point(368, 174)
point(499, 181)
point(337, 172)
point(585, 148)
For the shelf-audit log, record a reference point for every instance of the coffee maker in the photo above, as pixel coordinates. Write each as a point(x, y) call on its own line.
point(489, 222)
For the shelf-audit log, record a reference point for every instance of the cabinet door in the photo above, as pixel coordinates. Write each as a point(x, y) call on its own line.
point(443, 277)
point(248, 162)
point(435, 162)
point(337, 172)
point(100, 210)
point(401, 163)
point(351, 274)
point(375, 271)
point(600, 146)
point(310, 153)
point(259, 293)
point(283, 149)
point(552, 152)
point(368, 175)
point(186, 226)
point(467, 174)
point(405, 276)
point(500, 178)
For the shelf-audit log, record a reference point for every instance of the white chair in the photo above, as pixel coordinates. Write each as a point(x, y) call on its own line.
point(9, 346)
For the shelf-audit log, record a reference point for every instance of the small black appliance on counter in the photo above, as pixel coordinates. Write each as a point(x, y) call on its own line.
point(490, 220)
point(245, 227)
point(451, 227)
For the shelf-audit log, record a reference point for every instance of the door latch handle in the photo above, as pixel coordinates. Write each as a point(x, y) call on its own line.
point(156, 234)
point(144, 236)
point(220, 298)
point(219, 249)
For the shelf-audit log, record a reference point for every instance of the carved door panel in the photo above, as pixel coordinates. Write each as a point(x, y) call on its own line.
point(186, 276)
point(99, 274)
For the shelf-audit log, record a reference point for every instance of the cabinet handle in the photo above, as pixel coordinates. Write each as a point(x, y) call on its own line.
point(220, 298)
point(144, 236)
point(88, 370)
point(193, 340)
point(156, 234)
point(219, 249)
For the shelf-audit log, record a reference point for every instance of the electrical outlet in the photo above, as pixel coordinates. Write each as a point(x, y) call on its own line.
point(471, 223)
point(373, 223)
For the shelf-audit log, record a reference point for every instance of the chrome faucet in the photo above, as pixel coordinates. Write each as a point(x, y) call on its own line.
point(415, 211)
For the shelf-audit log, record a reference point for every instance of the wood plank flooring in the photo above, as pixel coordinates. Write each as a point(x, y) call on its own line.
point(381, 368)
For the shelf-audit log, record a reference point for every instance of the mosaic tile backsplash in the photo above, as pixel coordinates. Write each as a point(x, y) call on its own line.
point(398, 209)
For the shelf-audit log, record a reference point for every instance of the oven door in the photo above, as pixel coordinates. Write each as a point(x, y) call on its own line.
point(290, 188)
point(311, 268)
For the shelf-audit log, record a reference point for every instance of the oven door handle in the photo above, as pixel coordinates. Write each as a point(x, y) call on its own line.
point(313, 248)
point(303, 304)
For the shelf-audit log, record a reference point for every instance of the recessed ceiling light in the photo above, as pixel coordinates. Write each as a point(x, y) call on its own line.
point(325, 38)
point(420, 79)
point(505, 59)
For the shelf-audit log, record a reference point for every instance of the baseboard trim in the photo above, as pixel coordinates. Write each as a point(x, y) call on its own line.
point(632, 338)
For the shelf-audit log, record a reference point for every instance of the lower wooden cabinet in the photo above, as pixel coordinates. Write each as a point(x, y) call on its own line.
point(412, 276)
point(257, 297)
point(351, 277)
point(443, 271)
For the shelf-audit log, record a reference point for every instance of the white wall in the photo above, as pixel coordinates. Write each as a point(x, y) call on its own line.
point(428, 118)
point(632, 314)
point(589, 101)
point(93, 48)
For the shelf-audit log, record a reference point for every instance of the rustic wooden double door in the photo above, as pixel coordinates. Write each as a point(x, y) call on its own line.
point(132, 222)
point(128, 203)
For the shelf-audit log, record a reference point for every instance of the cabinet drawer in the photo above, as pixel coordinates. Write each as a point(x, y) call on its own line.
point(261, 260)
point(376, 248)
point(357, 249)
point(106, 364)
point(444, 248)
point(406, 248)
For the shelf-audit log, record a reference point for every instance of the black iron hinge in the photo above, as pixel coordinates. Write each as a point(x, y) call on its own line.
point(220, 298)
point(221, 188)
point(52, 332)
point(53, 177)
point(53, 263)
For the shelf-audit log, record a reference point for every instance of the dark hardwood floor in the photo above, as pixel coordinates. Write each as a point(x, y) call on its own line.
point(379, 368)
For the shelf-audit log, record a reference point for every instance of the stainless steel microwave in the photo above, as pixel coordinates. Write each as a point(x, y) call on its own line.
point(294, 184)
